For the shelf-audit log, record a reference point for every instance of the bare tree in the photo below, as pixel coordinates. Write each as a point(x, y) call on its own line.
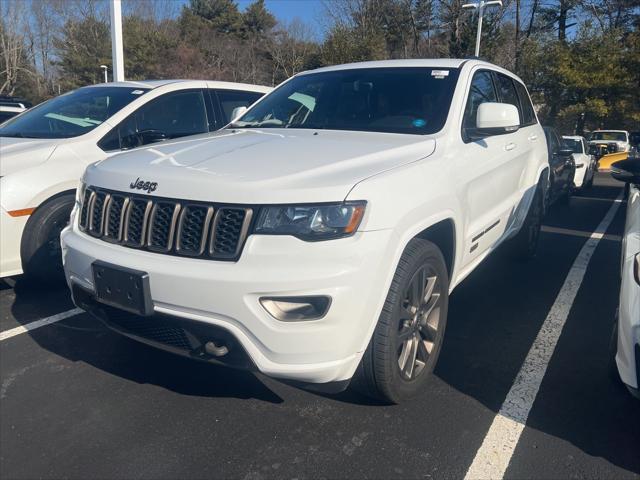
point(12, 45)
point(291, 45)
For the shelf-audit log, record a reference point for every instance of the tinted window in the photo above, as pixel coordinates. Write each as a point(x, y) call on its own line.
point(230, 99)
point(575, 145)
point(527, 112)
point(481, 91)
point(71, 114)
point(553, 143)
point(507, 91)
point(616, 136)
point(173, 115)
point(395, 100)
point(4, 116)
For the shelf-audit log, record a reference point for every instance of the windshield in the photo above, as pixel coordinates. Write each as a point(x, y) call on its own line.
point(71, 114)
point(573, 144)
point(396, 100)
point(614, 136)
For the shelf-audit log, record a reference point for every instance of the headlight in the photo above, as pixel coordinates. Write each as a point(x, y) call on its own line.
point(80, 192)
point(311, 222)
point(79, 199)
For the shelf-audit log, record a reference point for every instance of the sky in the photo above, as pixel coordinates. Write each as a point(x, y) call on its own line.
point(287, 10)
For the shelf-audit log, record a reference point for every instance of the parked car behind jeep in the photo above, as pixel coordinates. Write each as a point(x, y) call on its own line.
point(45, 151)
point(562, 169)
point(317, 238)
point(586, 164)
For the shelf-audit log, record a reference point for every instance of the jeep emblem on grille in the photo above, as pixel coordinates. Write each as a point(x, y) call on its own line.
point(142, 185)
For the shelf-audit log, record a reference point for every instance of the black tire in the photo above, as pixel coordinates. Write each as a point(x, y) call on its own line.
point(524, 245)
point(565, 198)
point(589, 184)
point(40, 248)
point(381, 374)
point(549, 199)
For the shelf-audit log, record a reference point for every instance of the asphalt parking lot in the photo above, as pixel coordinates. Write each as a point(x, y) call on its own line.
point(78, 401)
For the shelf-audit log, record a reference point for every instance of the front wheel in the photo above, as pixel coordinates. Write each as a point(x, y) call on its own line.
point(40, 249)
point(407, 339)
point(589, 184)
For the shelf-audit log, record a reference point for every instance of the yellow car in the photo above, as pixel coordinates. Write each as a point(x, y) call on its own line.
point(604, 163)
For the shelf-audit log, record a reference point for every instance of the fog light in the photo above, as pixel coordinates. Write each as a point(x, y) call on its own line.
point(295, 309)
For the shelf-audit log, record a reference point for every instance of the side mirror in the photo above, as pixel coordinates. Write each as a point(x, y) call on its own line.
point(237, 112)
point(627, 171)
point(496, 119)
point(152, 136)
point(564, 152)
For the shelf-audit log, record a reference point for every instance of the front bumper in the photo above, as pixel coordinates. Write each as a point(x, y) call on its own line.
point(11, 229)
point(225, 296)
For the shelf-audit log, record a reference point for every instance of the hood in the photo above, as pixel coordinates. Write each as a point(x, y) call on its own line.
point(260, 166)
point(21, 153)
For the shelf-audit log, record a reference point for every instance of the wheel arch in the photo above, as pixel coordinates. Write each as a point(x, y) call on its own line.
point(30, 221)
point(443, 235)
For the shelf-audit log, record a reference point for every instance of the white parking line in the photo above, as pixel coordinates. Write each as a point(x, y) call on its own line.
point(580, 233)
point(493, 456)
point(597, 199)
point(39, 323)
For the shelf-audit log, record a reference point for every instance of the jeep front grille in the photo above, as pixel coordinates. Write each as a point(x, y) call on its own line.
point(168, 226)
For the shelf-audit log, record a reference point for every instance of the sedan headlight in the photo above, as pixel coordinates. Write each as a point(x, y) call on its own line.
point(311, 222)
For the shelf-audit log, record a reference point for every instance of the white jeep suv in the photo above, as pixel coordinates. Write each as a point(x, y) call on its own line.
point(317, 237)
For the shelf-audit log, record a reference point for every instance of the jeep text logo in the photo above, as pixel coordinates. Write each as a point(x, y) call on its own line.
point(142, 185)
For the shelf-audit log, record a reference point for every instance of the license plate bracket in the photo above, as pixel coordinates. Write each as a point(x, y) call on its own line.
point(122, 287)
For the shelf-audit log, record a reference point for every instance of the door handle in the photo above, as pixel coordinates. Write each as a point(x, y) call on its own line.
point(532, 138)
point(509, 146)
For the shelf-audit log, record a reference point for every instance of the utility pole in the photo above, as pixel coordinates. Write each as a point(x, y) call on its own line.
point(115, 6)
point(480, 6)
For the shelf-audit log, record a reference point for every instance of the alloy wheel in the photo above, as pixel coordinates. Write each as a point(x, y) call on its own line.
point(419, 322)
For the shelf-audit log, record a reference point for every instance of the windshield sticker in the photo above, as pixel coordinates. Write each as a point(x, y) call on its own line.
point(439, 73)
point(81, 122)
point(419, 122)
point(137, 92)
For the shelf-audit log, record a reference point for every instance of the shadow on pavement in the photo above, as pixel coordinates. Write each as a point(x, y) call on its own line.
point(496, 314)
point(85, 339)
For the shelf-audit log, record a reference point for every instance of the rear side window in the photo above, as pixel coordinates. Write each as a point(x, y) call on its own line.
point(481, 91)
point(527, 112)
point(230, 99)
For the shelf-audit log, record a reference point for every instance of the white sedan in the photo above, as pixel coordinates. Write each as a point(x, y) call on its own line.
point(627, 341)
point(585, 162)
point(45, 150)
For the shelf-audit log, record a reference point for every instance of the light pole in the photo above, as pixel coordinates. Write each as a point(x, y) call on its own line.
point(117, 68)
point(104, 70)
point(480, 6)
